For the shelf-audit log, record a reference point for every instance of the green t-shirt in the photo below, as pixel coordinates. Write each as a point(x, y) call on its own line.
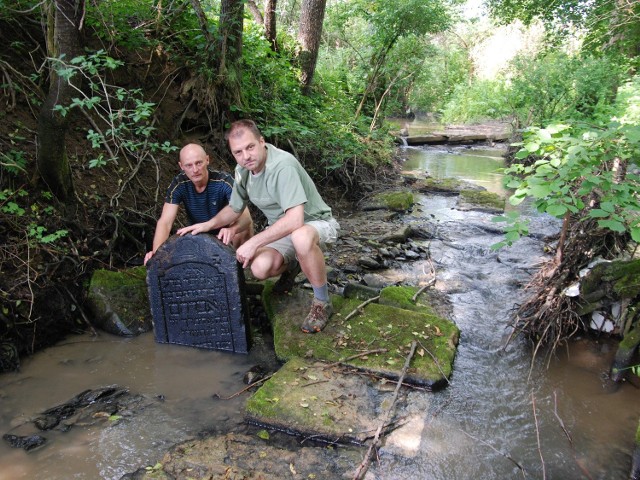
point(281, 185)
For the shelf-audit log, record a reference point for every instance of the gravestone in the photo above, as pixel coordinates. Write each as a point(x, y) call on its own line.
point(196, 292)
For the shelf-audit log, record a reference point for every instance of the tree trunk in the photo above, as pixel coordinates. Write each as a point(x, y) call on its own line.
point(270, 23)
point(64, 24)
point(309, 33)
point(229, 56)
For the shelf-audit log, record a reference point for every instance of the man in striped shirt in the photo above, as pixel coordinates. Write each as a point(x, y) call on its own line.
point(203, 192)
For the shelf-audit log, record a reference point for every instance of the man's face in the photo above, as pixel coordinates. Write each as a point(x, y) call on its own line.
point(248, 150)
point(194, 164)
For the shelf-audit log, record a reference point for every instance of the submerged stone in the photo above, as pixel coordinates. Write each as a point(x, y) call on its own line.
point(242, 456)
point(315, 399)
point(444, 186)
point(481, 201)
point(196, 290)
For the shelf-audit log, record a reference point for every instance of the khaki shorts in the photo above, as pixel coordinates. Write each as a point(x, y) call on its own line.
point(328, 231)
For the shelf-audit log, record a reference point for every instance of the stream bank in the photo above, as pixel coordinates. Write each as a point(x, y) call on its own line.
point(490, 414)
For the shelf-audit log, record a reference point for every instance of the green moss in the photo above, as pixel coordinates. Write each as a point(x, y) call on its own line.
point(125, 278)
point(632, 339)
point(482, 198)
point(638, 435)
point(396, 201)
point(452, 185)
point(269, 400)
point(402, 297)
point(376, 327)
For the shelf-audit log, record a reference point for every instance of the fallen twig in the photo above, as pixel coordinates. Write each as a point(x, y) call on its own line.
point(364, 465)
point(505, 455)
point(353, 357)
point(262, 380)
point(430, 283)
point(435, 360)
point(535, 418)
point(360, 307)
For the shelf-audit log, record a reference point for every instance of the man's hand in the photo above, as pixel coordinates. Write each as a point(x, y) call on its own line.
point(148, 256)
point(246, 252)
point(225, 235)
point(194, 229)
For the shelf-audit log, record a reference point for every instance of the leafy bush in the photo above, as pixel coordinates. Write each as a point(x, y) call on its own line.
point(479, 100)
point(556, 86)
point(583, 170)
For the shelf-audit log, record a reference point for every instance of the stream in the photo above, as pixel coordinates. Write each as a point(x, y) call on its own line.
point(499, 418)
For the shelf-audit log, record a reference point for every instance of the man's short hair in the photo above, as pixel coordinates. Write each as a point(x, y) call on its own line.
point(239, 126)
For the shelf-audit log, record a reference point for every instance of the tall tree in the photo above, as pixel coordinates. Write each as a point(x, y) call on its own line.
point(309, 34)
point(389, 21)
point(268, 20)
point(64, 24)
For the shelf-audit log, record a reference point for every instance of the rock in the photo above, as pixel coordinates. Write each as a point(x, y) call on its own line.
point(411, 255)
point(27, 443)
point(370, 263)
point(481, 201)
point(119, 301)
point(254, 374)
point(397, 236)
point(362, 292)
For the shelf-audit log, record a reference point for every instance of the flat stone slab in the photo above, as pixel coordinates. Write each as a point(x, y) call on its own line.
point(376, 340)
point(320, 401)
point(241, 456)
point(480, 201)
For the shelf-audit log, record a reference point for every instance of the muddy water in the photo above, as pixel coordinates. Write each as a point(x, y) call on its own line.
point(177, 383)
point(483, 425)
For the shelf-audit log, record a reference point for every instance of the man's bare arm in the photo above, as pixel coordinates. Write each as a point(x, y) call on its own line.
point(163, 228)
point(225, 217)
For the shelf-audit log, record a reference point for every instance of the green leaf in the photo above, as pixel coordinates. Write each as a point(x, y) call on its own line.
point(539, 191)
point(557, 210)
point(614, 225)
point(597, 213)
point(532, 147)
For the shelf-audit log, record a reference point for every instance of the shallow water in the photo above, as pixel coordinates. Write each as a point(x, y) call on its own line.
point(177, 382)
point(481, 426)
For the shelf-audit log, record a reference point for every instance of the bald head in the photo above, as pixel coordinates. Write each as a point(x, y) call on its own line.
point(192, 150)
point(194, 162)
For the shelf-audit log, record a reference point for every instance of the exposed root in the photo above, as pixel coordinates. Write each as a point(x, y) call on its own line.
point(548, 317)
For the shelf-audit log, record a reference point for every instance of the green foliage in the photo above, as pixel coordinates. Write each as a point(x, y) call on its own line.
point(515, 228)
point(607, 26)
point(578, 171)
point(125, 113)
point(18, 209)
point(554, 86)
point(315, 124)
point(13, 161)
point(480, 100)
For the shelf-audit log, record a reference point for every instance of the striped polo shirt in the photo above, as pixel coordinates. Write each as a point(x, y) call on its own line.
point(203, 206)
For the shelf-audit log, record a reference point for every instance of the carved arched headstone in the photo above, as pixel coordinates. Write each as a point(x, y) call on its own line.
point(196, 292)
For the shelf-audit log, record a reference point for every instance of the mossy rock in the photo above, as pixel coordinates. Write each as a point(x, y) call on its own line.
point(120, 302)
point(399, 201)
point(480, 200)
point(451, 186)
point(402, 297)
point(377, 327)
point(313, 399)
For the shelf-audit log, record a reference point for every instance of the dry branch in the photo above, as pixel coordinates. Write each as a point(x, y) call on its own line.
point(359, 308)
point(364, 465)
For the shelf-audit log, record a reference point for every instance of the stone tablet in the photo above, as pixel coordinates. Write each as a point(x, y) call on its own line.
point(196, 292)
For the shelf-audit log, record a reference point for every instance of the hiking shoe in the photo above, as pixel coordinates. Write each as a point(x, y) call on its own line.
point(318, 316)
point(287, 279)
